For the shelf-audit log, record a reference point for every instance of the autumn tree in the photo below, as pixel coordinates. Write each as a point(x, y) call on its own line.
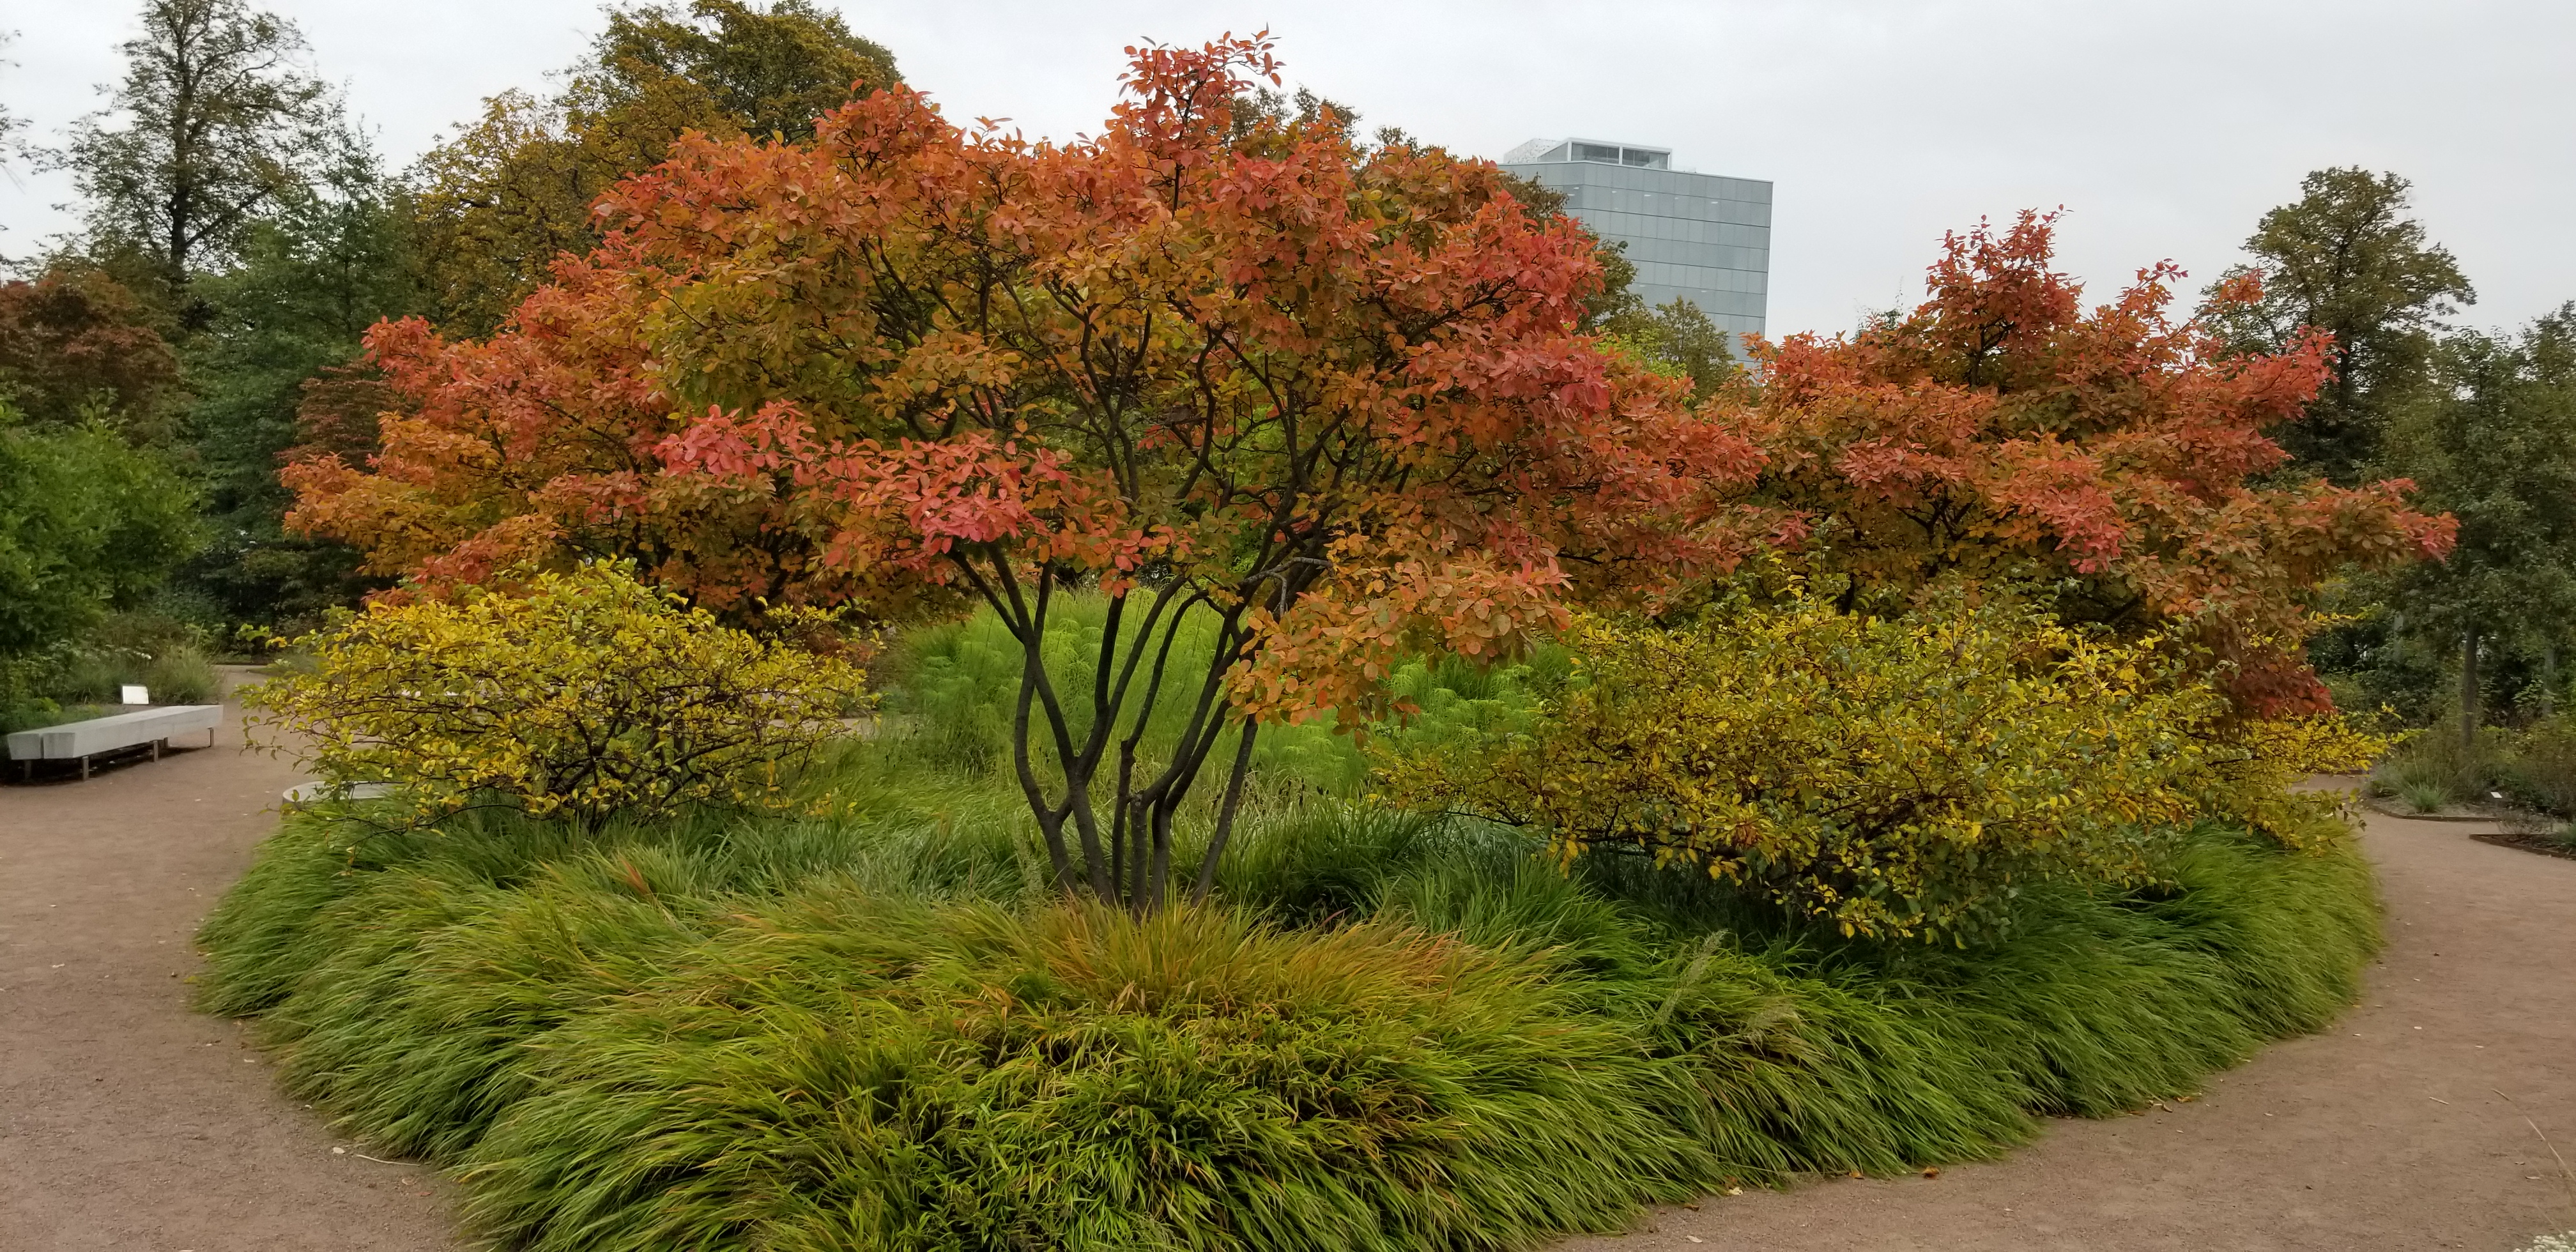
point(2115, 459)
point(2347, 259)
point(509, 193)
point(213, 126)
point(1329, 405)
point(75, 344)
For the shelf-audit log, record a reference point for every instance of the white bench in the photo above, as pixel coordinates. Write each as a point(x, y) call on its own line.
point(98, 736)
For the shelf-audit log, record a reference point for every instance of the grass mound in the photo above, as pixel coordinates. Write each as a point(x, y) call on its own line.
point(882, 1031)
point(835, 1075)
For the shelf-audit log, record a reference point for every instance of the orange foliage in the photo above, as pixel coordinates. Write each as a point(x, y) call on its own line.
point(1337, 401)
point(2000, 432)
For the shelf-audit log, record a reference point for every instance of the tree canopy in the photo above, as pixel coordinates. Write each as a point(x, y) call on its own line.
point(2496, 448)
point(2345, 258)
point(212, 127)
point(87, 524)
point(509, 193)
point(2117, 458)
point(310, 280)
point(1337, 402)
point(74, 343)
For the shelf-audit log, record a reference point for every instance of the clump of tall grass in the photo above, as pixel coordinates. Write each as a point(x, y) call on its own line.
point(886, 1030)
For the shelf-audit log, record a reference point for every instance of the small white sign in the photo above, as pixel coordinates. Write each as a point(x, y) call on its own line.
point(135, 695)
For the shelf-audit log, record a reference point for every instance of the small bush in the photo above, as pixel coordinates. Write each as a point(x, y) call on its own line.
point(173, 674)
point(2425, 797)
point(73, 679)
point(1890, 777)
point(584, 694)
point(2541, 773)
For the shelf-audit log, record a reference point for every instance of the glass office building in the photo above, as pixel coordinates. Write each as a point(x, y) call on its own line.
point(1700, 237)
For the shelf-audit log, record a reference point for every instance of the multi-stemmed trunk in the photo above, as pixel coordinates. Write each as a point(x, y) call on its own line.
point(1128, 858)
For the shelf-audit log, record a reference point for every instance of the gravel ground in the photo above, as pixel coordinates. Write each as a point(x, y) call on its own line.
point(126, 1120)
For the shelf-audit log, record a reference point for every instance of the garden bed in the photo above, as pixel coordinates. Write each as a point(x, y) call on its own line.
point(2542, 842)
point(885, 1030)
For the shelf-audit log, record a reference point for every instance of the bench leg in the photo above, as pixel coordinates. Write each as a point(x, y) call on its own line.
point(84, 769)
point(156, 748)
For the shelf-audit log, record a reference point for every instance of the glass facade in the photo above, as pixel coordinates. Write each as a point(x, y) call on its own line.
point(1697, 237)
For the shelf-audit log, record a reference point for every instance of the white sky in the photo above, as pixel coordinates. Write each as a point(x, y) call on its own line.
point(2164, 127)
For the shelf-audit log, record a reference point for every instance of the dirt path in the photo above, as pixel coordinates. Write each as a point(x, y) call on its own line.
point(2387, 1132)
point(126, 1120)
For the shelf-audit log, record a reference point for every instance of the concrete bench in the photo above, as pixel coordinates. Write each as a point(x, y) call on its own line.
point(80, 741)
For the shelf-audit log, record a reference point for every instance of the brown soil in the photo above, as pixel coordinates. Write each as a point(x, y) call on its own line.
point(2528, 841)
point(2392, 1130)
point(127, 1120)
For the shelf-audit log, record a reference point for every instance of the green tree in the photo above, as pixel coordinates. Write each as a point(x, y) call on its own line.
point(87, 524)
point(311, 279)
point(2497, 449)
point(213, 128)
point(2347, 258)
point(1676, 339)
point(513, 191)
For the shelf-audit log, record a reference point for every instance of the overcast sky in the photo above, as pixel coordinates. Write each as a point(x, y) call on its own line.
point(2164, 128)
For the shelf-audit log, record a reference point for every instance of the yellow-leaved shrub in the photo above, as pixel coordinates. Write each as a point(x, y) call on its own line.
point(579, 695)
point(1892, 777)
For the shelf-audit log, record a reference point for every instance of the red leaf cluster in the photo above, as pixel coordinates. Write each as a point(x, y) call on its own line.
point(2000, 432)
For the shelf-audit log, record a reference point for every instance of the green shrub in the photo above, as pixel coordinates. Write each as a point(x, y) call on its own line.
point(2426, 797)
point(2541, 773)
point(2534, 767)
point(84, 677)
point(1893, 777)
point(87, 525)
point(176, 674)
point(587, 694)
